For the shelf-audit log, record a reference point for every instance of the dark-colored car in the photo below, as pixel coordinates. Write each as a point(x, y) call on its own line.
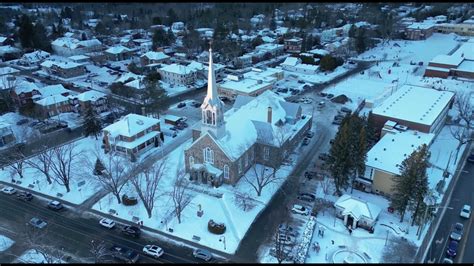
point(452, 248)
point(26, 196)
point(195, 104)
point(323, 156)
point(55, 205)
point(337, 121)
point(330, 96)
point(346, 110)
point(22, 121)
point(305, 141)
point(457, 232)
point(124, 254)
point(307, 197)
point(309, 174)
point(286, 229)
point(181, 105)
point(310, 134)
point(470, 158)
point(131, 230)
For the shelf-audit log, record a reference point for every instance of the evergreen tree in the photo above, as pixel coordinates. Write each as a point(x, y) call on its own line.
point(171, 16)
point(100, 28)
point(327, 63)
point(39, 38)
point(421, 182)
point(411, 184)
point(25, 32)
point(99, 167)
point(84, 36)
point(160, 38)
point(358, 146)
point(153, 95)
point(272, 23)
point(361, 41)
point(352, 31)
point(257, 41)
point(191, 41)
point(92, 123)
point(171, 37)
point(157, 21)
point(339, 162)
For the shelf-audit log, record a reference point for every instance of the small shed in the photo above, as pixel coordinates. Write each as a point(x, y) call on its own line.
point(172, 119)
point(356, 212)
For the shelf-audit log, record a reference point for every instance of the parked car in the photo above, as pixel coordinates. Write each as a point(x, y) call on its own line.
point(181, 105)
point(131, 230)
point(452, 248)
point(286, 239)
point(339, 117)
point(309, 174)
point(202, 254)
point(470, 158)
point(37, 223)
point(323, 156)
point(286, 250)
point(195, 104)
point(337, 121)
point(307, 197)
point(55, 205)
point(153, 250)
point(466, 211)
point(457, 232)
point(305, 141)
point(124, 254)
point(298, 209)
point(9, 190)
point(330, 96)
point(447, 261)
point(22, 121)
point(323, 94)
point(321, 104)
point(310, 134)
point(108, 223)
point(331, 141)
point(346, 110)
point(26, 196)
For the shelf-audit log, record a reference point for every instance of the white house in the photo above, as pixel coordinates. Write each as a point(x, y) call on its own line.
point(66, 46)
point(178, 74)
point(357, 212)
point(294, 64)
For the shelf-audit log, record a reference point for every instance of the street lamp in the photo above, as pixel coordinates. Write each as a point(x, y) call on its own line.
point(222, 239)
point(429, 200)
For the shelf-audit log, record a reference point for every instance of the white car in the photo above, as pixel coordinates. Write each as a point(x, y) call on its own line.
point(153, 250)
point(300, 210)
point(466, 211)
point(107, 223)
point(9, 190)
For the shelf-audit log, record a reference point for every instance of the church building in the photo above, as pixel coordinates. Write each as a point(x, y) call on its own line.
point(263, 129)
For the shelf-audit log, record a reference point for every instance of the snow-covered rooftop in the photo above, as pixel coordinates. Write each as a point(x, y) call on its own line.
point(466, 65)
point(388, 154)
point(268, 47)
point(415, 104)
point(53, 90)
point(421, 26)
point(25, 86)
point(177, 69)
point(291, 61)
point(60, 64)
point(447, 60)
point(54, 99)
point(130, 125)
point(466, 50)
point(155, 55)
point(246, 85)
point(78, 57)
point(7, 70)
point(35, 56)
point(90, 96)
point(128, 76)
point(358, 207)
point(319, 52)
point(117, 49)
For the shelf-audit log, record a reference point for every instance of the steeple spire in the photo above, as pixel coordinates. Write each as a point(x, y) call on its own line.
point(212, 97)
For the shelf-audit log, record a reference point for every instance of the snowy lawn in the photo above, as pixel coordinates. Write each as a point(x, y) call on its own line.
point(317, 78)
point(32, 256)
point(22, 132)
point(219, 204)
point(5, 243)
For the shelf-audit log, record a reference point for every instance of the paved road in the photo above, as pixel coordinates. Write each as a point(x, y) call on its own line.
point(462, 194)
point(73, 233)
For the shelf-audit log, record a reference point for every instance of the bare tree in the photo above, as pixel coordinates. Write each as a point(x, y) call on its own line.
point(325, 185)
point(42, 163)
point(462, 135)
point(113, 177)
point(64, 160)
point(34, 239)
point(146, 184)
point(7, 83)
point(263, 177)
point(399, 250)
point(180, 197)
point(14, 162)
point(244, 201)
point(284, 245)
point(463, 104)
point(99, 252)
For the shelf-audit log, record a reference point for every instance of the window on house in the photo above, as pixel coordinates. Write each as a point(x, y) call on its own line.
point(191, 160)
point(226, 172)
point(246, 159)
point(266, 153)
point(240, 166)
point(208, 117)
point(208, 155)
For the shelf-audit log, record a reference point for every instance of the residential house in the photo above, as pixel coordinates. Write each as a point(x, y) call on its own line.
point(33, 59)
point(293, 45)
point(261, 130)
point(8, 52)
point(294, 64)
point(419, 31)
point(6, 41)
point(273, 49)
point(79, 59)
point(178, 74)
point(466, 28)
point(97, 100)
point(52, 106)
point(63, 69)
point(132, 134)
point(417, 108)
point(67, 46)
point(118, 53)
point(25, 92)
point(151, 59)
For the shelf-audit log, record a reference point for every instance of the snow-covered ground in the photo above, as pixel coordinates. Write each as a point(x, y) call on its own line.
point(32, 256)
point(317, 78)
point(5, 243)
point(173, 90)
point(219, 204)
point(22, 132)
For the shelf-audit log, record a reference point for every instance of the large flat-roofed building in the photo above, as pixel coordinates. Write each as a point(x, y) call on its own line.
point(459, 64)
point(419, 31)
point(417, 108)
point(384, 159)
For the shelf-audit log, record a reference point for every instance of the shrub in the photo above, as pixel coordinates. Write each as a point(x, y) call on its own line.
point(216, 228)
point(129, 201)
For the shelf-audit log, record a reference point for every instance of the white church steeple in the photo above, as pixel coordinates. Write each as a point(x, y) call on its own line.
point(212, 107)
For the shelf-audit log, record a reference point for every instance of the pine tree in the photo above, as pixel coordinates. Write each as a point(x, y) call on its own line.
point(99, 167)
point(160, 38)
point(339, 157)
point(153, 95)
point(25, 32)
point(92, 123)
point(421, 181)
point(357, 146)
point(360, 41)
